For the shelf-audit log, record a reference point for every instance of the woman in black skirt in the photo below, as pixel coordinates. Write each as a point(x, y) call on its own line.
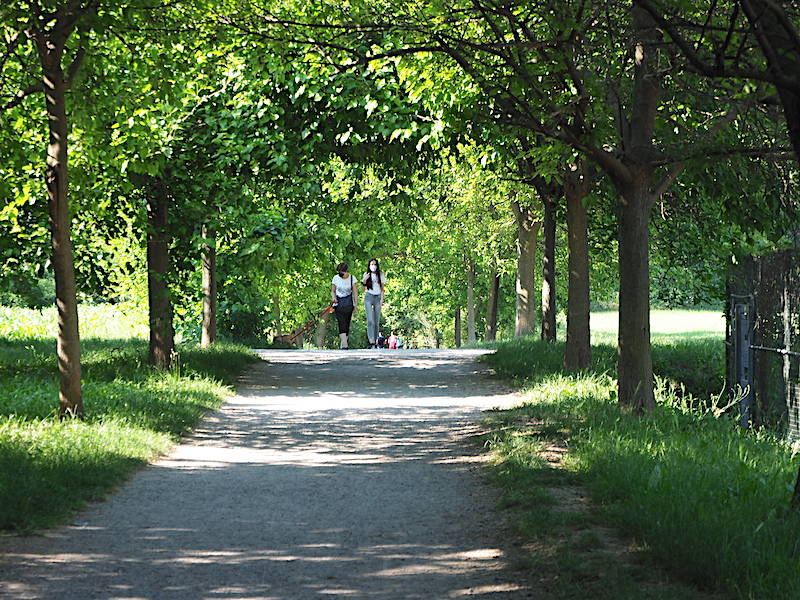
point(344, 296)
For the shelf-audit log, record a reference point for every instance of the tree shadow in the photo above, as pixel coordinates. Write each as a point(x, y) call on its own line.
point(333, 477)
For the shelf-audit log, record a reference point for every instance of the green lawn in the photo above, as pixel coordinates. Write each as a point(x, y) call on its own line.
point(664, 325)
point(700, 496)
point(133, 412)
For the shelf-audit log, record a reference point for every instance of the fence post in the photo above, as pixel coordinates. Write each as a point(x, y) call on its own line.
point(743, 358)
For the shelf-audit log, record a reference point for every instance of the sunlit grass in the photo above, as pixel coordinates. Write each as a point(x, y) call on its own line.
point(123, 321)
point(665, 325)
point(703, 497)
point(133, 412)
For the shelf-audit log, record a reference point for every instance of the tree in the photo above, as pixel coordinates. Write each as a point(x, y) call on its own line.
point(50, 30)
point(534, 67)
point(578, 349)
point(757, 40)
point(527, 234)
point(209, 261)
point(60, 31)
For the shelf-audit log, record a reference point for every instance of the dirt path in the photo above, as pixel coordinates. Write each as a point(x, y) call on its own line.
point(330, 474)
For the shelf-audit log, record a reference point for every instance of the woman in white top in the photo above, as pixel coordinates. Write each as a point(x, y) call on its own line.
point(373, 281)
point(344, 297)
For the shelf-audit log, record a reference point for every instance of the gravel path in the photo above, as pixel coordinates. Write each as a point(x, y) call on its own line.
point(329, 475)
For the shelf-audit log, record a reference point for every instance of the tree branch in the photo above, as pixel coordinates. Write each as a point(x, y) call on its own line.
point(718, 70)
point(11, 47)
point(668, 180)
point(72, 70)
point(20, 96)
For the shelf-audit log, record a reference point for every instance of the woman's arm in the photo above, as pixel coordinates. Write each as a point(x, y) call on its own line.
point(333, 293)
point(355, 294)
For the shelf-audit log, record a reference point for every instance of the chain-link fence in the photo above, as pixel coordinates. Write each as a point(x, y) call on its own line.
point(763, 340)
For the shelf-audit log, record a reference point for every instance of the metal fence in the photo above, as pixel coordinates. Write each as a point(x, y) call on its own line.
point(763, 340)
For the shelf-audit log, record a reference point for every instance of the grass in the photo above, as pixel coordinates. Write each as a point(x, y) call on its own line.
point(133, 412)
point(698, 495)
point(664, 324)
point(104, 321)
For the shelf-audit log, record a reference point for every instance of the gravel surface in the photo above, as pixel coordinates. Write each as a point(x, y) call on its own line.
point(329, 475)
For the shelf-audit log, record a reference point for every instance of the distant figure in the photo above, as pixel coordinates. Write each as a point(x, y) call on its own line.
point(392, 341)
point(400, 343)
point(373, 281)
point(344, 297)
point(381, 341)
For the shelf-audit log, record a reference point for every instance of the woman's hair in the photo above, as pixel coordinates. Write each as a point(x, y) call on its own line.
point(342, 267)
point(368, 285)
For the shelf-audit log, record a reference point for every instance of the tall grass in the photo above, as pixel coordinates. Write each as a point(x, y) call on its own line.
point(704, 497)
point(49, 469)
point(696, 366)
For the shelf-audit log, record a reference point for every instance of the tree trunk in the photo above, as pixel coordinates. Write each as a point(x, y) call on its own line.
point(68, 343)
point(578, 349)
point(162, 335)
point(276, 309)
point(527, 232)
point(209, 335)
point(491, 307)
point(320, 332)
point(549, 271)
point(457, 328)
point(635, 367)
point(471, 332)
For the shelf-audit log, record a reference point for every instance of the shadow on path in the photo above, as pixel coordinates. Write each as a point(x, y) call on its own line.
point(328, 475)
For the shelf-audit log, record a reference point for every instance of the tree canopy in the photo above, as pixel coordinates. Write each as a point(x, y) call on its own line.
point(165, 153)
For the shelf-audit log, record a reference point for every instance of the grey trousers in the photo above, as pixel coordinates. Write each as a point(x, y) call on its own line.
point(372, 307)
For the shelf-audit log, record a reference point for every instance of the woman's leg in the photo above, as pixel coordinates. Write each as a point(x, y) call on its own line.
point(372, 321)
point(339, 319)
point(344, 326)
point(377, 316)
point(368, 317)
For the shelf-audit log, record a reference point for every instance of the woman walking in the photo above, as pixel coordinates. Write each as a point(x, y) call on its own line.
point(373, 281)
point(344, 296)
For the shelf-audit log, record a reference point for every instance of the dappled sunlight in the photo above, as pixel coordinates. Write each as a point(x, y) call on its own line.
point(335, 561)
point(328, 474)
point(339, 379)
point(174, 555)
point(336, 570)
point(369, 436)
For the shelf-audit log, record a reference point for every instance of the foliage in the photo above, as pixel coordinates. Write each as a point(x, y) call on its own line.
point(299, 155)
